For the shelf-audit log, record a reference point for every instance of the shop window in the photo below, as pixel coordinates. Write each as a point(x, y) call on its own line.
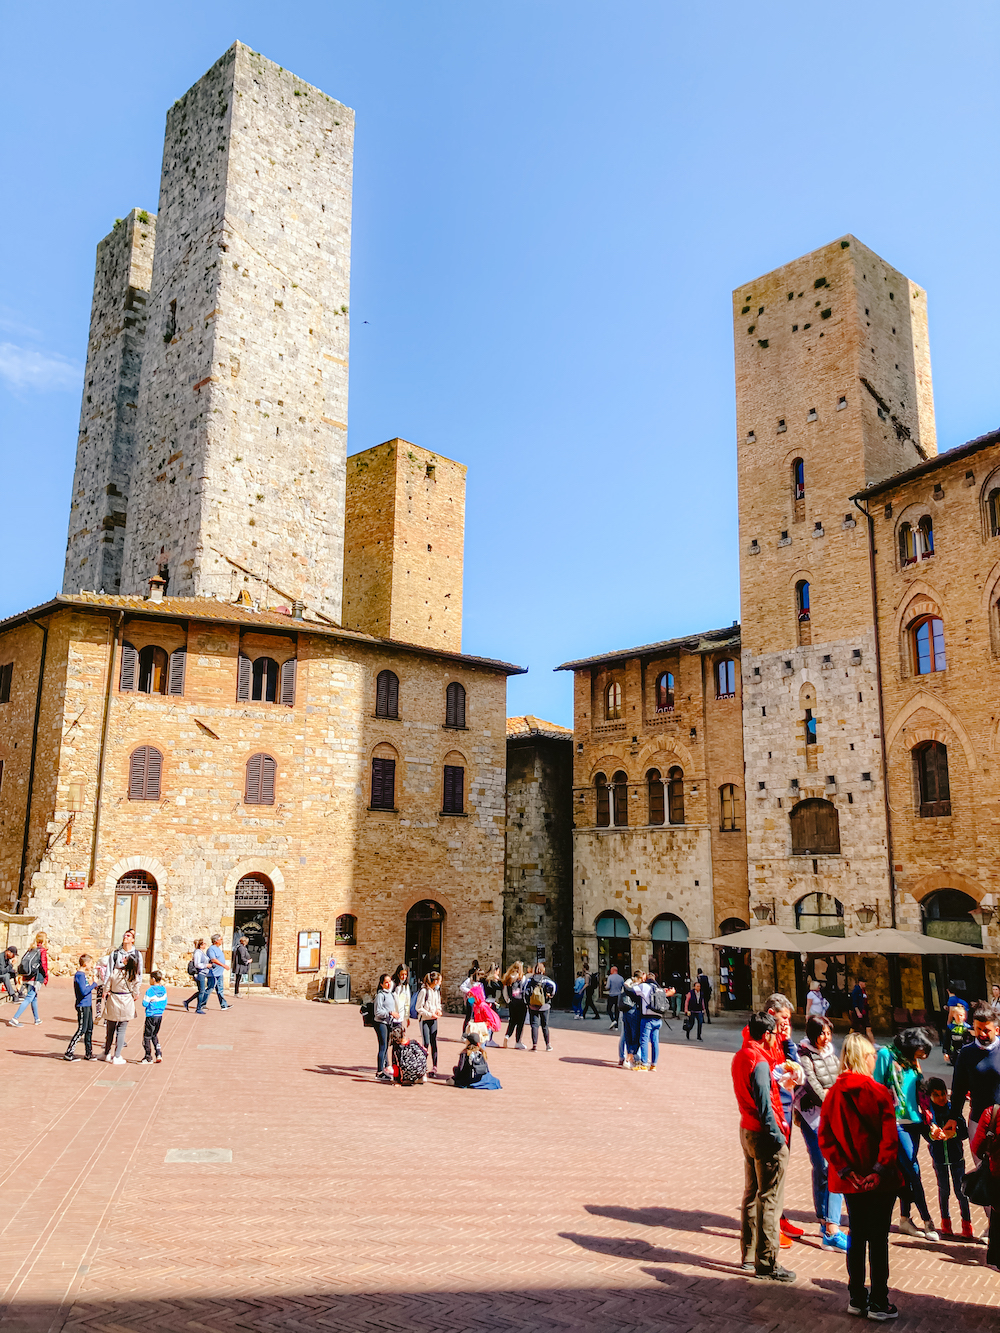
point(815, 827)
point(145, 767)
point(821, 914)
point(260, 780)
point(620, 784)
point(454, 705)
point(613, 702)
point(928, 645)
point(656, 794)
point(387, 694)
point(932, 779)
point(725, 679)
point(665, 692)
point(603, 801)
point(675, 795)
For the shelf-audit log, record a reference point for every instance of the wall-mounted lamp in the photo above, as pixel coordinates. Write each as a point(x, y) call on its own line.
point(762, 912)
point(866, 914)
point(982, 915)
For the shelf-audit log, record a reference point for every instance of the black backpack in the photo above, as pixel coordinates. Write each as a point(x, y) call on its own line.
point(31, 964)
point(627, 1000)
point(192, 970)
point(368, 1013)
point(411, 1061)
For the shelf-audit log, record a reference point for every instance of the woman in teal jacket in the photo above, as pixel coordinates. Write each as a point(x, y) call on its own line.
point(897, 1066)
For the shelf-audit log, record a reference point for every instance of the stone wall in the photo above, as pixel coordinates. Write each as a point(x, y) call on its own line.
point(106, 442)
point(242, 421)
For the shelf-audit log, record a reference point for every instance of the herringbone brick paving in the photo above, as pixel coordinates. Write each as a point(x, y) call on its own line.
point(579, 1198)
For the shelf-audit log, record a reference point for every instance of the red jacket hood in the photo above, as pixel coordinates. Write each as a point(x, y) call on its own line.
point(857, 1132)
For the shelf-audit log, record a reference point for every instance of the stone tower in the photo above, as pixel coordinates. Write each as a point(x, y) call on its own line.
point(833, 392)
point(241, 435)
point(403, 545)
point(106, 442)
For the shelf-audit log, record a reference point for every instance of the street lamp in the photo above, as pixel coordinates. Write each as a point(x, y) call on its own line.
point(866, 914)
point(982, 915)
point(762, 912)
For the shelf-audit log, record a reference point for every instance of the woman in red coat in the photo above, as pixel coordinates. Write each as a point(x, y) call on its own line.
point(859, 1140)
point(983, 1146)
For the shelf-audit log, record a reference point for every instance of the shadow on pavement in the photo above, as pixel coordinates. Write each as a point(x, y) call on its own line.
point(677, 1219)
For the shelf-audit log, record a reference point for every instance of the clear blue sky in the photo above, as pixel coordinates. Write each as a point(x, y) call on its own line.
point(552, 202)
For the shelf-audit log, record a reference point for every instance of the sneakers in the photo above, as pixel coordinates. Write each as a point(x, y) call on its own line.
point(91, 1057)
point(747, 1266)
point(859, 1308)
point(775, 1274)
point(491, 1042)
point(159, 1059)
point(929, 1232)
point(67, 1056)
point(836, 1241)
point(119, 1060)
point(784, 1242)
point(38, 1022)
point(946, 1227)
point(146, 1061)
point(880, 1313)
point(520, 1046)
point(790, 1229)
point(13, 1023)
point(905, 1227)
point(548, 1047)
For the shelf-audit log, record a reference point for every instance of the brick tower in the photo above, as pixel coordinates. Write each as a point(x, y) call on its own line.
point(833, 392)
point(242, 413)
point(106, 442)
point(403, 545)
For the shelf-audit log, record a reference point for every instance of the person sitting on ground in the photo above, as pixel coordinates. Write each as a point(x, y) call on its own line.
point(472, 1071)
point(8, 972)
point(948, 1155)
point(409, 1059)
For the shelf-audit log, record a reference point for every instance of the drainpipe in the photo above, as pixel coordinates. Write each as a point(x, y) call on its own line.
point(31, 766)
point(881, 708)
point(115, 645)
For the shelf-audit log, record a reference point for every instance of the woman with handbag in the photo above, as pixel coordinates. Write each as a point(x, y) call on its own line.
point(860, 1142)
point(539, 991)
point(119, 1006)
point(821, 1066)
point(513, 993)
point(980, 1186)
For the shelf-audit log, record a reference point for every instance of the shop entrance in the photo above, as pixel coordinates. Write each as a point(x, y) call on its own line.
point(424, 937)
point(735, 972)
point(135, 909)
point(946, 917)
point(614, 948)
point(252, 918)
point(672, 954)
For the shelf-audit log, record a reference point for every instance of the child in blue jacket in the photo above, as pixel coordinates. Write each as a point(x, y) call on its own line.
point(948, 1155)
point(154, 1002)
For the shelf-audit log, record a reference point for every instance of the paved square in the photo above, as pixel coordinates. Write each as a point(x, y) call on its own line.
point(578, 1198)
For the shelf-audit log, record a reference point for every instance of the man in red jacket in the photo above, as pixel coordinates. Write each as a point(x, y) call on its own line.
point(763, 1134)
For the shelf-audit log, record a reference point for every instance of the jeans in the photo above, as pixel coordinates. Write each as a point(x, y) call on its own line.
point(870, 1216)
point(539, 1019)
point(957, 1170)
point(515, 1023)
point(84, 1031)
point(199, 995)
point(578, 1003)
point(690, 1021)
point(213, 983)
point(151, 1035)
point(763, 1198)
point(828, 1206)
point(630, 1031)
point(429, 1036)
point(115, 1031)
point(32, 999)
point(649, 1040)
point(382, 1032)
point(913, 1187)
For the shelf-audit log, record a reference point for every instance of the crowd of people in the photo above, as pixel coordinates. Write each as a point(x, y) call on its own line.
point(863, 1116)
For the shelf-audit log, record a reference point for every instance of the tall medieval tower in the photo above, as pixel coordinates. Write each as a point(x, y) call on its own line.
point(241, 420)
point(833, 392)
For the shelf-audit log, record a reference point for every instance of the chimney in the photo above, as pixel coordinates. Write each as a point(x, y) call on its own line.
point(156, 586)
point(298, 609)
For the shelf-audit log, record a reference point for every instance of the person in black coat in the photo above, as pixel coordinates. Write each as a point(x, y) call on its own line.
point(241, 963)
point(706, 990)
point(8, 972)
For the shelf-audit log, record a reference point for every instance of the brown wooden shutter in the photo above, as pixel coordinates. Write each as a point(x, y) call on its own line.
point(935, 791)
point(287, 687)
point(676, 796)
point(130, 668)
point(454, 789)
point(455, 705)
point(603, 801)
point(251, 795)
point(383, 784)
point(6, 676)
point(244, 678)
point(268, 773)
point(388, 694)
point(154, 768)
point(655, 800)
point(621, 803)
point(175, 671)
point(382, 694)
point(144, 771)
point(378, 800)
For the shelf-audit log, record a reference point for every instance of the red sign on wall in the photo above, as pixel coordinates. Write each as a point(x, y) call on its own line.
point(76, 880)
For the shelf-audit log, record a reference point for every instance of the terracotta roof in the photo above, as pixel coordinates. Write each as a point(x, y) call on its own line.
point(529, 725)
point(706, 641)
point(939, 460)
point(227, 613)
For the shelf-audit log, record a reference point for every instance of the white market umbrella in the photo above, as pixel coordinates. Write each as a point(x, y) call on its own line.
point(763, 937)
point(887, 940)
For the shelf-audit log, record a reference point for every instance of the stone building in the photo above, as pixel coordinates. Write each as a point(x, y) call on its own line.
point(659, 847)
point(230, 756)
point(538, 885)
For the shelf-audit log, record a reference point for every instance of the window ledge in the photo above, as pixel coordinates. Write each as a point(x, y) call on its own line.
point(725, 696)
point(454, 814)
point(346, 944)
point(382, 810)
point(385, 717)
point(450, 726)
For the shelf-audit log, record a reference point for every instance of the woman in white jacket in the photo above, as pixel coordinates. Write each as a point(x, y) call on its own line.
point(119, 1006)
point(428, 1012)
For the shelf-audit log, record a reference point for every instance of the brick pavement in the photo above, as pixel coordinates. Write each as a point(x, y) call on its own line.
point(579, 1198)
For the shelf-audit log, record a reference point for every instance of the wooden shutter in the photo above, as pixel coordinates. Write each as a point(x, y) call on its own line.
point(676, 796)
point(387, 695)
point(935, 792)
point(655, 800)
point(286, 694)
point(621, 804)
point(455, 705)
point(815, 828)
point(268, 773)
point(454, 789)
point(6, 675)
point(251, 794)
point(383, 784)
point(1, 775)
point(244, 678)
point(175, 671)
point(154, 767)
point(603, 801)
point(130, 668)
point(144, 772)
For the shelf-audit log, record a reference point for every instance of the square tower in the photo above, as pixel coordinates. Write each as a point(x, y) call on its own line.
point(403, 545)
point(241, 438)
point(833, 392)
point(106, 442)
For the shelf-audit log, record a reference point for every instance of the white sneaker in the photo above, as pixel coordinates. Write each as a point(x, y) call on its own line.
point(119, 1060)
point(906, 1227)
point(930, 1233)
point(520, 1046)
point(38, 1022)
point(13, 1023)
point(146, 1061)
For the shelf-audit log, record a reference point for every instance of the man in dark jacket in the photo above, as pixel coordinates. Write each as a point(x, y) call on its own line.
point(977, 1068)
point(706, 990)
point(763, 1135)
point(8, 972)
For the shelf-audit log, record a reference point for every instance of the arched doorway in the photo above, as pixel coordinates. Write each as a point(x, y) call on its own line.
point(252, 918)
point(671, 952)
point(424, 937)
point(614, 947)
point(735, 972)
point(945, 914)
point(135, 909)
point(822, 914)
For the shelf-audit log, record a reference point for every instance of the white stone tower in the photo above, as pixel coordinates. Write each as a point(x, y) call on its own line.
point(242, 413)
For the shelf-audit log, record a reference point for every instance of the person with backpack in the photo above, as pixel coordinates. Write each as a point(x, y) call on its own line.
point(402, 995)
point(517, 1009)
point(630, 1008)
point(472, 1071)
point(539, 991)
point(241, 964)
point(694, 1010)
point(655, 1005)
point(119, 1007)
point(127, 949)
point(706, 990)
point(409, 1059)
point(428, 1012)
point(34, 969)
point(198, 969)
point(589, 995)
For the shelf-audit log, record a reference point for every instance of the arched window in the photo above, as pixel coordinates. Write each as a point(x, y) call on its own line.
point(799, 479)
point(145, 766)
point(135, 910)
point(665, 693)
point(603, 800)
point(802, 600)
point(387, 694)
point(656, 805)
point(454, 705)
point(729, 808)
point(263, 681)
point(809, 723)
point(260, 776)
point(907, 545)
point(946, 917)
point(821, 914)
point(925, 537)
point(620, 783)
point(675, 795)
point(932, 779)
point(732, 924)
point(725, 679)
point(928, 645)
point(669, 927)
point(613, 702)
point(150, 670)
point(383, 793)
point(346, 929)
point(993, 512)
point(610, 926)
point(815, 828)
